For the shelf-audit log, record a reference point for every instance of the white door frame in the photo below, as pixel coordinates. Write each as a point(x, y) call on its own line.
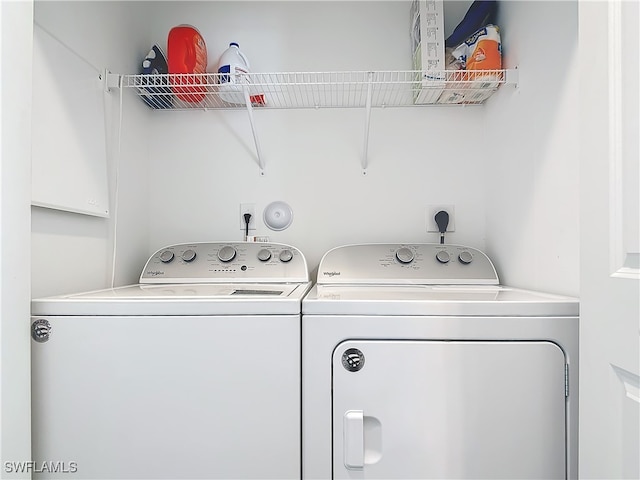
point(16, 27)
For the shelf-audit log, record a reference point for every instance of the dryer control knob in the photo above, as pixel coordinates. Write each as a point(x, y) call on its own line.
point(166, 256)
point(404, 255)
point(286, 255)
point(264, 255)
point(189, 255)
point(442, 256)
point(465, 258)
point(227, 253)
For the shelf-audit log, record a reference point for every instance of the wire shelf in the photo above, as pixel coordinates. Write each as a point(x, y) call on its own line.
point(295, 90)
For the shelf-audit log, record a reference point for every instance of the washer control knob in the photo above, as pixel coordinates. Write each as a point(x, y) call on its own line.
point(189, 255)
point(264, 255)
point(166, 256)
point(404, 255)
point(465, 258)
point(227, 253)
point(442, 256)
point(286, 255)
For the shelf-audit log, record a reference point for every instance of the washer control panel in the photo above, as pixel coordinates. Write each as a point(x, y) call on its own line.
point(424, 263)
point(226, 262)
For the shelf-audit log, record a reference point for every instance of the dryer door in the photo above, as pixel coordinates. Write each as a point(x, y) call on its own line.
point(448, 409)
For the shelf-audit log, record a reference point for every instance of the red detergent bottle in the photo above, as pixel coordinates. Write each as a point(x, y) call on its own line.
point(187, 59)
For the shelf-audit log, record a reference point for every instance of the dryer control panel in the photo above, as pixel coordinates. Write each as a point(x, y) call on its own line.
point(215, 262)
point(418, 264)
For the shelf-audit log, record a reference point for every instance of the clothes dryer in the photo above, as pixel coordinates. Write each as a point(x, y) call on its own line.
point(192, 373)
point(418, 363)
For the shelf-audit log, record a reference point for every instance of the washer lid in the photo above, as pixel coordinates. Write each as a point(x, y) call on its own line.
point(179, 300)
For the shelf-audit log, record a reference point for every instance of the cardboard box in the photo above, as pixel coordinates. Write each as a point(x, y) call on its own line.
point(427, 45)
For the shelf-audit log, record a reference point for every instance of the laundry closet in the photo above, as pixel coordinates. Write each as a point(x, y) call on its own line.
point(509, 168)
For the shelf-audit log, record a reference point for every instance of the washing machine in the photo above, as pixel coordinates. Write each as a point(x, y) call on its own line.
point(192, 373)
point(419, 364)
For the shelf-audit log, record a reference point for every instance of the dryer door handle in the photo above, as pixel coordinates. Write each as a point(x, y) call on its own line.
point(353, 430)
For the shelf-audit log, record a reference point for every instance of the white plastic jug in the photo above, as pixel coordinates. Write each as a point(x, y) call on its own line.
point(232, 66)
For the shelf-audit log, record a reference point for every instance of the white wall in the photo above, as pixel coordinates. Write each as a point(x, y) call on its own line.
point(518, 154)
point(204, 163)
point(532, 193)
point(72, 252)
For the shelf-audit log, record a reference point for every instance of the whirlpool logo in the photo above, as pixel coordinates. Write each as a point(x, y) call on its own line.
point(154, 273)
point(330, 274)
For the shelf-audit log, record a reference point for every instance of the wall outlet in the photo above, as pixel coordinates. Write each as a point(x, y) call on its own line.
point(248, 208)
point(432, 226)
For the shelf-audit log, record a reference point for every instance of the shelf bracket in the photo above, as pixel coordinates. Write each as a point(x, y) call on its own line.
point(110, 80)
point(512, 77)
point(367, 123)
point(247, 100)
